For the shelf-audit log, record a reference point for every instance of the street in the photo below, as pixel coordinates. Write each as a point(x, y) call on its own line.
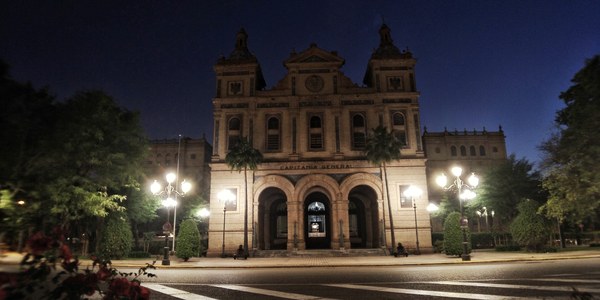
point(543, 279)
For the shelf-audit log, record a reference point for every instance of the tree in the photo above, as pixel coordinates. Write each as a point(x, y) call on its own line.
point(243, 157)
point(382, 147)
point(505, 185)
point(117, 238)
point(188, 240)
point(140, 208)
point(453, 236)
point(27, 118)
point(530, 228)
point(573, 152)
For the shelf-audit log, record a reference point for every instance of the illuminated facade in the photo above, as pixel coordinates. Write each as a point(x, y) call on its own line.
point(315, 189)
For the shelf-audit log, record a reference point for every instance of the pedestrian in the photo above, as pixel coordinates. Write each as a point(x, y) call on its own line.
point(240, 253)
point(400, 250)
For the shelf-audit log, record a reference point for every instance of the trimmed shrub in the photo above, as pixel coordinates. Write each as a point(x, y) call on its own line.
point(453, 236)
point(117, 238)
point(188, 240)
point(482, 240)
point(529, 228)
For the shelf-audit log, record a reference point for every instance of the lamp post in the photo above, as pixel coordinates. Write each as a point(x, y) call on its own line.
point(169, 202)
point(414, 192)
point(467, 194)
point(225, 196)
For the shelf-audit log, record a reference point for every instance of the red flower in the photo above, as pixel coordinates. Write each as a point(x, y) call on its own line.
point(65, 252)
point(138, 291)
point(120, 286)
point(39, 243)
point(103, 273)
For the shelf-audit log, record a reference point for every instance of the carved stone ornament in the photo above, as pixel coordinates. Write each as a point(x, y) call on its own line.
point(314, 83)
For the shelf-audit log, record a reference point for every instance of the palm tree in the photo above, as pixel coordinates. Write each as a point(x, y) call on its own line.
point(383, 147)
point(243, 157)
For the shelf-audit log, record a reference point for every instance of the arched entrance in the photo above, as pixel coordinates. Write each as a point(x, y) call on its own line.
point(363, 217)
point(272, 220)
point(317, 212)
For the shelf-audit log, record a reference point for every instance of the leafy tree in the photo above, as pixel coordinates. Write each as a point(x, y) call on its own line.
point(530, 228)
point(116, 238)
point(453, 236)
point(188, 240)
point(140, 208)
point(243, 157)
point(505, 185)
point(572, 154)
point(27, 118)
point(383, 147)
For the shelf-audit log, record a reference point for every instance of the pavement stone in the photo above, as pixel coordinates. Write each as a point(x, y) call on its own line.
point(10, 261)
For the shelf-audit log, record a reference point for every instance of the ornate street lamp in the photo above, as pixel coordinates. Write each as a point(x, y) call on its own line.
point(414, 192)
point(225, 196)
point(467, 194)
point(169, 202)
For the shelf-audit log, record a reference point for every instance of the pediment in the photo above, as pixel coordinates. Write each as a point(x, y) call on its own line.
point(314, 55)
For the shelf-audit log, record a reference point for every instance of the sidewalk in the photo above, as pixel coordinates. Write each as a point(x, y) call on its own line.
point(11, 260)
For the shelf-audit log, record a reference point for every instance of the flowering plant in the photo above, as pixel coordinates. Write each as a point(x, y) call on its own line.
point(50, 271)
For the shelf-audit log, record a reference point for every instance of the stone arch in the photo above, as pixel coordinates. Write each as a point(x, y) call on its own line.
point(306, 188)
point(265, 188)
point(367, 179)
point(362, 192)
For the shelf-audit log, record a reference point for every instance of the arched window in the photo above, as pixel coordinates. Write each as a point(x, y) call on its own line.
point(463, 151)
point(453, 150)
point(273, 134)
point(359, 132)
point(472, 151)
point(315, 133)
point(399, 127)
point(398, 119)
point(234, 126)
point(482, 150)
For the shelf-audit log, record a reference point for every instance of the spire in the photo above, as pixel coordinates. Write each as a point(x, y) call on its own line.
point(386, 48)
point(240, 53)
point(385, 36)
point(241, 42)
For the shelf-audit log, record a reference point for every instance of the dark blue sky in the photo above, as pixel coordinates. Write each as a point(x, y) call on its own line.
point(480, 63)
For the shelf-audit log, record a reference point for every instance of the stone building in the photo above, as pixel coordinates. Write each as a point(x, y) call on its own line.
point(315, 189)
point(163, 157)
point(474, 151)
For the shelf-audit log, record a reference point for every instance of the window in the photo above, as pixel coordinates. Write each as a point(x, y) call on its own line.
point(359, 132)
point(315, 133)
point(192, 156)
point(233, 132)
point(481, 150)
point(273, 134)
point(231, 205)
point(472, 151)
point(495, 149)
point(463, 151)
point(398, 119)
point(399, 127)
point(453, 150)
point(438, 150)
point(405, 202)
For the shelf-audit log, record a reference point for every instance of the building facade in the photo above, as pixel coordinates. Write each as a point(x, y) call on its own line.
point(315, 188)
point(474, 151)
point(192, 156)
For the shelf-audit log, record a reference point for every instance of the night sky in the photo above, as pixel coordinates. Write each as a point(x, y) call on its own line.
point(479, 63)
